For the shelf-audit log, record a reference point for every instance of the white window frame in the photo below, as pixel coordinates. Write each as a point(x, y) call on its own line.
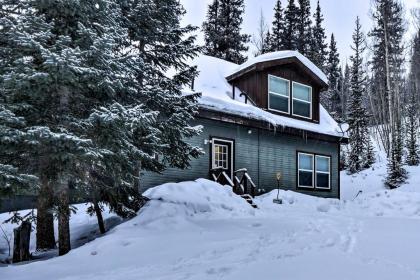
point(323, 172)
point(271, 92)
point(306, 170)
point(213, 153)
point(308, 102)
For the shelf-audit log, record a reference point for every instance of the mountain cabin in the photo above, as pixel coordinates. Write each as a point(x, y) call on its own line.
point(262, 121)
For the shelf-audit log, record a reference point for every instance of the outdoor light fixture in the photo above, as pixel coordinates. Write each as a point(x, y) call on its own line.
point(249, 131)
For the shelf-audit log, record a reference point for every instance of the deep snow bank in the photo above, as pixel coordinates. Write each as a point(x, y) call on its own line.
point(403, 202)
point(175, 202)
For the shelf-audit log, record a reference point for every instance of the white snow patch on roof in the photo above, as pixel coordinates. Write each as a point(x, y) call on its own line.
point(280, 55)
point(217, 95)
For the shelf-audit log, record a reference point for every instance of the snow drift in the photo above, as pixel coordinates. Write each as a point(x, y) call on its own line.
point(174, 202)
point(202, 230)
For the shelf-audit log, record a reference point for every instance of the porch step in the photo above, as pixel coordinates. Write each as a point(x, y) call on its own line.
point(248, 199)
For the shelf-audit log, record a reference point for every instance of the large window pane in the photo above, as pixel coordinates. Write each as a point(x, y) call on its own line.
point(279, 103)
point(322, 180)
point(322, 164)
point(301, 108)
point(305, 162)
point(278, 86)
point(305, 179)
point(301, 92)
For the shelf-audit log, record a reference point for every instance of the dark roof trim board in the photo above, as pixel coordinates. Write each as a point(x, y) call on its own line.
point(259, 66)
point(233, 119)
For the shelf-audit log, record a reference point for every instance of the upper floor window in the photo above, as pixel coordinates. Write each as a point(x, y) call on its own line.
point(278, 94)
point(302, 100)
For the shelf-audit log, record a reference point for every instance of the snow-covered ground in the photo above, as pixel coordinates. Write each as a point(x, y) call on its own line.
point(201, 230)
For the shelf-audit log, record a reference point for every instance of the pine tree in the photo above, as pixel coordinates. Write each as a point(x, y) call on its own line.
point(345, 90)
point(318, 52)
point(370, 153)
point(222, 31)
point(211, 30)
point(303, 42)
point(290, 33)
point(413, 157)
point(332, 101)
point(81, 115)
point(12, 178)
point(386, 65)
point(357, 117)
point(278, 26)
point(268, 43)
point(414, 77)
point(152, 135)
point(412, 117)
point(387, 83)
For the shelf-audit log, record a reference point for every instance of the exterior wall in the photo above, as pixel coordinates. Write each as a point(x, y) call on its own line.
point(255, 84)
point(277, 153)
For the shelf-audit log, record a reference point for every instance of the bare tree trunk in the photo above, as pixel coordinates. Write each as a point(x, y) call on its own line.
point(22, 237)
point(98, 212)
point(388, 84)
point(45, 239)
point(63, 215)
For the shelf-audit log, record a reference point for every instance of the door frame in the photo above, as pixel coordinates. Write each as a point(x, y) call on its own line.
point(228, 141)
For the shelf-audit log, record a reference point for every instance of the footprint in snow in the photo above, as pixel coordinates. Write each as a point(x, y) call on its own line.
point(218, 271)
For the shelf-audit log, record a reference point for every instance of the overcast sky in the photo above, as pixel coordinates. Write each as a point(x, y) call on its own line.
point(339, 17)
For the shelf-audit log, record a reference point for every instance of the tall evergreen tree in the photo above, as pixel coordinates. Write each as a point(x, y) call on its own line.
point(222, 31)
point(331, 99)
point(345, 90)
point(290, 33)
point(268, 43)
point(99, 106)
point(387, 83)
point(278, 26)
point(318, 54)
point(412, 146)
point(357, 117)
point(303, 42)
point(211, 30)
point(151, 121)
point(386, 66)
point(412, 129)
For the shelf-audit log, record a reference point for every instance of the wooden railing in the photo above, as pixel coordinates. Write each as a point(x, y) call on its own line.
point(242, 182)
point(219, 175)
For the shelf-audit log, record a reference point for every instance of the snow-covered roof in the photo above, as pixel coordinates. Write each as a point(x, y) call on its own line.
point(217, 95)
point(281, 55)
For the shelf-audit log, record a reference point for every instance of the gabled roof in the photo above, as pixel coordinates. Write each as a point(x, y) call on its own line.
point(278, 58)
point(216, 95)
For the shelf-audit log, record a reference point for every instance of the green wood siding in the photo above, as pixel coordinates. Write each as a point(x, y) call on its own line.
point(277, 153)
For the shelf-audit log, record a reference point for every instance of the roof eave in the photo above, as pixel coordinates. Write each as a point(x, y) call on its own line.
point(259, 66)
point(239, 120)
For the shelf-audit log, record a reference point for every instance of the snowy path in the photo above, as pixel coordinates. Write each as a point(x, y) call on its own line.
point(216, 235)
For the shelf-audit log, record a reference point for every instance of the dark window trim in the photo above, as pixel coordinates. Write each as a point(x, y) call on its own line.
point(314, 188)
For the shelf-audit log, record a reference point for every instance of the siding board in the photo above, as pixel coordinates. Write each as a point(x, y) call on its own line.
point(277, 152)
